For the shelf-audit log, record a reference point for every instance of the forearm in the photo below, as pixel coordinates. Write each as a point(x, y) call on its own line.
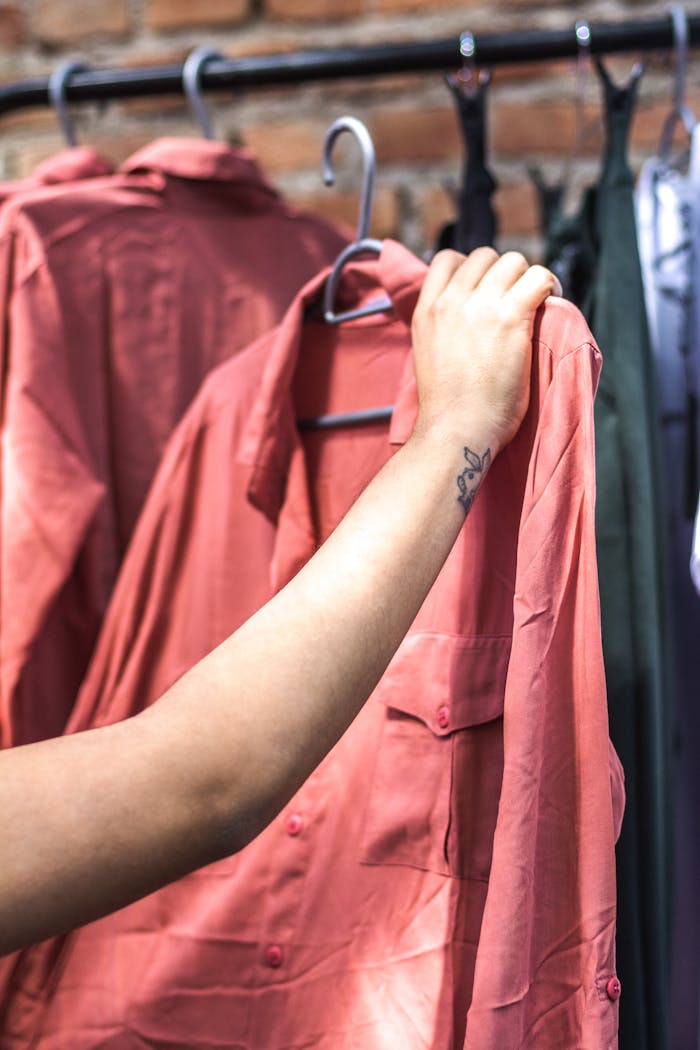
point(331, 632)
point(92, 822)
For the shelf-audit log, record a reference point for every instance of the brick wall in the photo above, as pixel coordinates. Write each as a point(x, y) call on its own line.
point(411, 117)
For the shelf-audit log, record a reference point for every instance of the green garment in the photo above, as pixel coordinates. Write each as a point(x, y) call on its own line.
point(597, 252)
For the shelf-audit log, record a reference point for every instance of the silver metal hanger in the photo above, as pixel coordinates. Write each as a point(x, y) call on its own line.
point(679, 108)
point(363, 244)
point(57, 95)
point(191, 83)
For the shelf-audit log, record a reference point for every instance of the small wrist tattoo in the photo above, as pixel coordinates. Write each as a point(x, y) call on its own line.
point(470, 479)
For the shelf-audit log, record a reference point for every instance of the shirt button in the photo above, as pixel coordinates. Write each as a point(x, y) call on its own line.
point(274, 955)
point(443, 716)
point(614, 989)
point(293, 824)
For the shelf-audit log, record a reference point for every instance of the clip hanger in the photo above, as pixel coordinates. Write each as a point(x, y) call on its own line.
point(476, 222)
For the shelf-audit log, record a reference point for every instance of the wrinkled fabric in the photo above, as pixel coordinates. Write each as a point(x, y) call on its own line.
point(600, 252)
point(121, 294)
point(445, 878)
point(667, 205)
point(695, 551)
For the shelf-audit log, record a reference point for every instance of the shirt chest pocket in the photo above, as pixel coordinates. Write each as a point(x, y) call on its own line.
point(433, 800)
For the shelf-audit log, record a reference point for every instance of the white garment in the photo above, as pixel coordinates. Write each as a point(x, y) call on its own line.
point(695, 552)
point(667, 203)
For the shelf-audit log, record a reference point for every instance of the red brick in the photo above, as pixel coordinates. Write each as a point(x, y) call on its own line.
point(65, 21)
point(313, 10)
point(39, 119)
point(436, 207)
point(287, 145)
point(13, 27)
point(392, 6)
point(515, 204)
point(183, 14)
point(536, 72)
point(116, 149)
point(343, 207)
point(414, 135)
point(523, 129)
point(649, 120)
point(269, 46)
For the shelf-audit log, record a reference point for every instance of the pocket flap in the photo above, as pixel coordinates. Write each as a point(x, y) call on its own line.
point(447, 681)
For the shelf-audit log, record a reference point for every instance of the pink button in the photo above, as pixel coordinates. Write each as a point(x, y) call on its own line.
point(443, 716)
point(614, 989)
point(274, 955)
point(293, 824)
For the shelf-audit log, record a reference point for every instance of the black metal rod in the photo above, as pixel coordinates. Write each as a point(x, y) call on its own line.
point(491, 49)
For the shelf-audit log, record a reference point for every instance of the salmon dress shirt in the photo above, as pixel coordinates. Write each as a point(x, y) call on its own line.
point(119, 295)
point(446, 877)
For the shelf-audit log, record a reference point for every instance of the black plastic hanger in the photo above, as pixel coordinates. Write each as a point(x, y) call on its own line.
point(476, 223)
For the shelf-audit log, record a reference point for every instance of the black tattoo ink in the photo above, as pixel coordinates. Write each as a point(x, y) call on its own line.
point(474, 471)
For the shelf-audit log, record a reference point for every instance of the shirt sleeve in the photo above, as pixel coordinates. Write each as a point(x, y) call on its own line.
point(546, 947)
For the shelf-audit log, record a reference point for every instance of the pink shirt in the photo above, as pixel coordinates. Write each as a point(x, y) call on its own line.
point(123, 292)
point(446, 876)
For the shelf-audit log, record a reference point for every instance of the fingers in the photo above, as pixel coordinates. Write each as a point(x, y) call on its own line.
point(504, 273)
point(448, 265)
point(443, 266)
point(507, 274)
point(475, 269)
point(531, 289)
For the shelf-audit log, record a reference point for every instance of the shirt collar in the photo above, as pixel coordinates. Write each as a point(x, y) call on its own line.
point(70, 165)
point(271, 434)
point(198, 159)
point(80, 162)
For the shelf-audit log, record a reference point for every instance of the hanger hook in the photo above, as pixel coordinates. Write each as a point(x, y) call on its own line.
point(191, 77)
point(469, 79)
point(679, 109)
point(369, 166)
point(679, 19)
point(582, 31)
point(58, 81)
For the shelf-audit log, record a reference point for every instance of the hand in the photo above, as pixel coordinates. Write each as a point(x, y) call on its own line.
point(472, 341)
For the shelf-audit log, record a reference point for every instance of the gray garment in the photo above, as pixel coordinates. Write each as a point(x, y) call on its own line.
point(667, 204)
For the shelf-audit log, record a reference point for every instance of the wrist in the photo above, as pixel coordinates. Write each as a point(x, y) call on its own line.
point(459, 457)
point(452, 432)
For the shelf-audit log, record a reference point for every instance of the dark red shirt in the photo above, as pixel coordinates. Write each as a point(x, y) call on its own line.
point(122, 293)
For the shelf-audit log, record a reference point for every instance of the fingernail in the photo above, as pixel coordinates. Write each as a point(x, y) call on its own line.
point(557, 290)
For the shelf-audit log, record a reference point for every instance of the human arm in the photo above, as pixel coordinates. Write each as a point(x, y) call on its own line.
point(93, 821)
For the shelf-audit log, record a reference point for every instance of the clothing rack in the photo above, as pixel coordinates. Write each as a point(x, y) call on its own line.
point(223, 74)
